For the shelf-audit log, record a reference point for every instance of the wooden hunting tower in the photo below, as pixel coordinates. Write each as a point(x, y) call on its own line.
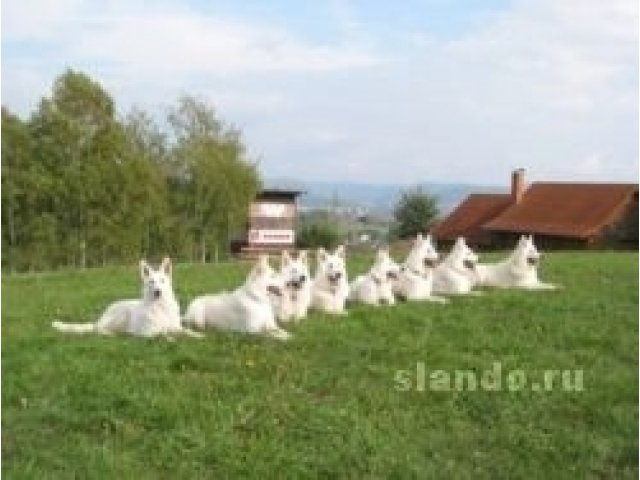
point(272, 223)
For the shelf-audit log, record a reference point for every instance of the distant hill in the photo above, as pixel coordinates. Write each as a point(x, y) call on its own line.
point(376, 199)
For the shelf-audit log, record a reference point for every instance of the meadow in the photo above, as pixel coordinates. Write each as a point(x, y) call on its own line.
point(328, 403)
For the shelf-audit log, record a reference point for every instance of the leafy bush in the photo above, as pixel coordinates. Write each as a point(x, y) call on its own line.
point(415, 212)
point(319, 234)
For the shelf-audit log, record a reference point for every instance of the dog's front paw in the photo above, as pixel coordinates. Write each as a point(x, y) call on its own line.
point(279, 334)
point(193, 334)
point(436, 299)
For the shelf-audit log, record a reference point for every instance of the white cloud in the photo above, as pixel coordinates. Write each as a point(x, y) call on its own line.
point(158, 39)
point(29, 20)
point(545, 84)
point(565, 54)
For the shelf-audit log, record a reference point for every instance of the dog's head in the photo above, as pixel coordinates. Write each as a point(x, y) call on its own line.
point(526, 254)
point(156, 282)
point(423, 255)
point(462, 256)
point(332, 265)
point(294, 271)
point(384, 267)
point(263, 279)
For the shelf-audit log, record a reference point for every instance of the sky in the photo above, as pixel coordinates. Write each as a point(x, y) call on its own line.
point(369, 91)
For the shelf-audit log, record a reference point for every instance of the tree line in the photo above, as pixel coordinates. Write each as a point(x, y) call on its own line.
point(85, 186)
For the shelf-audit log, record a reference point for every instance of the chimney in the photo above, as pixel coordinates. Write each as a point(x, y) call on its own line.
point(517, 185)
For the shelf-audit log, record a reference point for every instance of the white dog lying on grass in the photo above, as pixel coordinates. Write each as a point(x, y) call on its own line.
point(157, 313)
point(247, 309)
point(456, 275)
point(295, 300)
point(519, 270)
point(415, 279)
point(376, 286)
point(330, 287)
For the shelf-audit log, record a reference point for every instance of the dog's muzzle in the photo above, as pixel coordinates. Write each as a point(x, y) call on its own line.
point(292, 284)
point(334, 278)
point(430, 262)
point(471, 265)
point(392, 276)
point(533, 261)
point(296, 284)
point(157, 293)
point(272, 289)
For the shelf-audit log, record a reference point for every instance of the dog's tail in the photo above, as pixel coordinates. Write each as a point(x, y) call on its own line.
point(74, 327)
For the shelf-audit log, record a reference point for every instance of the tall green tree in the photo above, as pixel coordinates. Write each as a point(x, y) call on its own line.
point(214, 179)
point(147, 184)
point(79, 141)
point(19, 189)
point(82, 186)
point(415, 212)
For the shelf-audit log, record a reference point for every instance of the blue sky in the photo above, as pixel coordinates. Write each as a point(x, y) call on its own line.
point(371, 91)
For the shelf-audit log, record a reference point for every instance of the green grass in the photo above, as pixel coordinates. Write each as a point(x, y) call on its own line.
point(326, 403)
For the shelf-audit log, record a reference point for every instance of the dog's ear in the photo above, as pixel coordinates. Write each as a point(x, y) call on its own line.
point(166, 267)
point(340, 251)
point(263, 263)
point(259, 265)
point(285, 258)
point(145, 270)
point(302, 256)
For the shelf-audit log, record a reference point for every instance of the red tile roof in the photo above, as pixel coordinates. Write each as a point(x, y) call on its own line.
point(565, 209)
point(467, 219)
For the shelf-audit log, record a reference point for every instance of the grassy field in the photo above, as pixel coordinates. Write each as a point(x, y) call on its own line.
point(328, 403)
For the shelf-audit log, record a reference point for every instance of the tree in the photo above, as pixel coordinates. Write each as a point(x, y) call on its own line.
point(82, 186)
point(18, 202)
point(317, 229)
point(214, 180)
point(415, 212)
point(147, 173)
point(81, 144)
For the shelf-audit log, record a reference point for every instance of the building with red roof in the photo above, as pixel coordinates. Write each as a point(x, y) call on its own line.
point(557, 213)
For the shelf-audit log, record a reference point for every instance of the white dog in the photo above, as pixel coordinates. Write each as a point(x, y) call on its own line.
point(295, 300)
point(247, 309)
point(376, 286)
point(157, 313)
point(330, 287)
point(519, 270)
point(415, 279)
point(456, 275)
